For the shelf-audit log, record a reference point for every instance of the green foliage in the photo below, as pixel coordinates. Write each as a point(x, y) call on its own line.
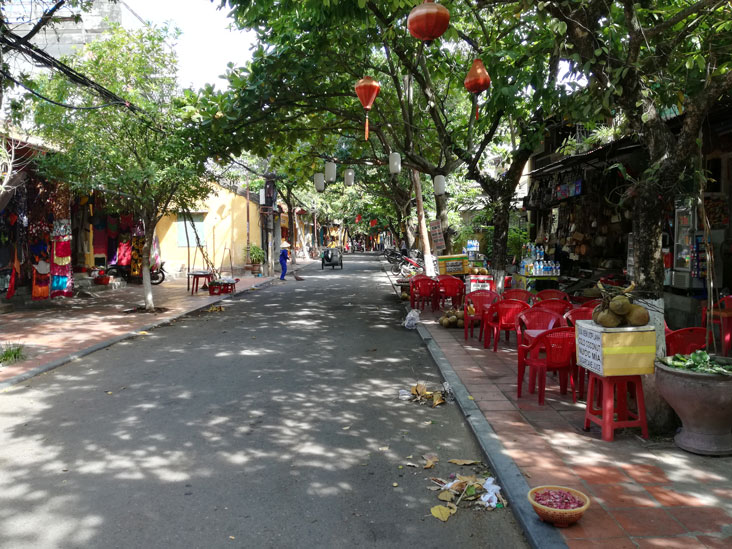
point(256, 254)
point(11, 352)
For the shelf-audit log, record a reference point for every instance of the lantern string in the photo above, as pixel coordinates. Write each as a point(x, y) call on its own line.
point(367, 126)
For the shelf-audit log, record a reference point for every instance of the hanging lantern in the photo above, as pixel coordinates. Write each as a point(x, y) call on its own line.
point(261, 197)
point(395, 163)
point(439, 182)
point(358, 218)
point(349, 177)
point(428, 21)
point(477, 80)
point(367, 89)
point(319, 180)
point(330, 172)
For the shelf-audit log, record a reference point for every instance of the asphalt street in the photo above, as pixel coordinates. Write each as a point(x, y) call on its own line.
point(273, 423)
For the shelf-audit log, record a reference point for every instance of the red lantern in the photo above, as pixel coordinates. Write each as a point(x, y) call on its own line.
point(358, 218)
point(373, 222)
point(477, 80)
point(367, 89)
point(428, 21)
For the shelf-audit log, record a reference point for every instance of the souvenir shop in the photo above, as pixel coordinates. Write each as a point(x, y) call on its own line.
point(47, 235)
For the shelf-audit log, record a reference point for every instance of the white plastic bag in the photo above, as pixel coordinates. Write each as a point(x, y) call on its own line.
point(412, 319)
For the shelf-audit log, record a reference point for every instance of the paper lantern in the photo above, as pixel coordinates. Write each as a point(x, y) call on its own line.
point(478, 80)
point(367, 89)
point(358, 218)
point(319, 180)
point(373, 222)
point(439, 183)
point(330, 172)
point(428, 21)
point(395, 162)
point(349, 177)
point(261, 197)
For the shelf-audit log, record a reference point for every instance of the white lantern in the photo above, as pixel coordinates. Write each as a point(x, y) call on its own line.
point(319, 180)
point(330, 172)
point(261, 197)
point(350, 175)
point(395, 162)
point(439, 182)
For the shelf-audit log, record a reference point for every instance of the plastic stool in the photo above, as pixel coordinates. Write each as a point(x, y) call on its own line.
point(612, 393)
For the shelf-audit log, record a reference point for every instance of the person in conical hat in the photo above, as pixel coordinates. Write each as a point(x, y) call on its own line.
point(284, 256)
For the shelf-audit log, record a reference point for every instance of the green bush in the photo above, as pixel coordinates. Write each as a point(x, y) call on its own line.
point(256, 254)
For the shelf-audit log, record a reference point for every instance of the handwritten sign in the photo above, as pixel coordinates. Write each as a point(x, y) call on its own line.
point(589, 348)
point(438, 239)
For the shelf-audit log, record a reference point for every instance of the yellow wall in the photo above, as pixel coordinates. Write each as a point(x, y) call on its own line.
point(225, 222)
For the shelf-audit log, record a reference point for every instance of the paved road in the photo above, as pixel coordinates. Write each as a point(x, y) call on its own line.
point(274, 423)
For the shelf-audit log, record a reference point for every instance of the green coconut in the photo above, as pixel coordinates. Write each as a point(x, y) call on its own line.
point(638, 315)
point(620, 305)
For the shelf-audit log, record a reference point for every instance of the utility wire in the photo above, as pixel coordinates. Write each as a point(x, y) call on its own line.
point(64, 105)
point(15, 42)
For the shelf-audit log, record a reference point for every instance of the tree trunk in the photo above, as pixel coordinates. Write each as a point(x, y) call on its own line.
point(147, 246)
point(441, 204)
point(291, 225)
point(429, 268)
point(647, 225)
point(501, 210)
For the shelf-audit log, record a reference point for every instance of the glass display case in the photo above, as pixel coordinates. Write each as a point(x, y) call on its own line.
point(684, 241)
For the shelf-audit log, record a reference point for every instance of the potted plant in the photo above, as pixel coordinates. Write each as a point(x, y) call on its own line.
point(256, 256)
point(699, 389)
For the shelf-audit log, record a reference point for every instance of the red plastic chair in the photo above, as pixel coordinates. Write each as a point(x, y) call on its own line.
point(686, 341)
point(421, 292)
point(519, 294)
point(552, 294)
point(450, 287)
point(557, 305)
point(725, 325)
point(591, 304)
point(479, 299)
point(501, 316)
point(411, 281)
point(573, 315)
point(551, 350)
point(531, 321)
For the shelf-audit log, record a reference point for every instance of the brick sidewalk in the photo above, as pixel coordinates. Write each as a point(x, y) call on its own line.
point(56, 331)
point(644, 493)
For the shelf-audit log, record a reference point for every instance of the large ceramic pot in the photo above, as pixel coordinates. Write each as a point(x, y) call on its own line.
point(703, 402)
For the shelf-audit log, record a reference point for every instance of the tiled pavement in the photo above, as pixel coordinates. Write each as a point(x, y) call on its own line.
point(645, 493)
point(56, 331)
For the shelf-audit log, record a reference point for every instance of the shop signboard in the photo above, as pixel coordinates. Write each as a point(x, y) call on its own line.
point(615, 351)
point(438, 239)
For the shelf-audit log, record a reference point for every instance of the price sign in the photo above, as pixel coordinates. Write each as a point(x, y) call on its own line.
point(438, 239)
point(589, 349)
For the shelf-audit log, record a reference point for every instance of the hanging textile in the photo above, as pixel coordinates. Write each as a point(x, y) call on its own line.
point(62, 278)
point(41, 286)
point(136, 257)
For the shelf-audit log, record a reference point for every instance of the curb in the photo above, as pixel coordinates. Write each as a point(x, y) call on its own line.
point(109, 342)
point(513, 484)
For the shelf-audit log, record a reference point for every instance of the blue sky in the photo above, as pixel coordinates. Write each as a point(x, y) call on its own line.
point(206, 44)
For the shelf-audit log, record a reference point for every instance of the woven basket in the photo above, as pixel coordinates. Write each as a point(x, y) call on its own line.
point(560, 518)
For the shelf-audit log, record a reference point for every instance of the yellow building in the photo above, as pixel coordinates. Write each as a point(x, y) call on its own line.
point(221, 223)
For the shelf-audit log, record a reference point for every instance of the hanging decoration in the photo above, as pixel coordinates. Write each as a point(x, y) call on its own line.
point(373, 222)
point(428, 21)
point(367, 89)
point(478, 80)
point(349, 177)
point(358, 218)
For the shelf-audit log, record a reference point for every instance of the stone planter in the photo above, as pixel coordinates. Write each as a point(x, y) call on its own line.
point(703, 402)
point(256, 268)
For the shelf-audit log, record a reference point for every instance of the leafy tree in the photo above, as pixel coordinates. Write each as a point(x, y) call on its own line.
point(651, 61)
point(145, 161)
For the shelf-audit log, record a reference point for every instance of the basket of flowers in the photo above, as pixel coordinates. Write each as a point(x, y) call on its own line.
point(558, 505)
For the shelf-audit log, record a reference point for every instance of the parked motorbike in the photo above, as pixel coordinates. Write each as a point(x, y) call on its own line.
point(123, 271)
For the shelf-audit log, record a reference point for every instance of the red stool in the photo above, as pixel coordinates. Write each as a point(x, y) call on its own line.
point(612, 393)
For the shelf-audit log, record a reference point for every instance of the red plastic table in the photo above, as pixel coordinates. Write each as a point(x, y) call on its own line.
point(197, 276)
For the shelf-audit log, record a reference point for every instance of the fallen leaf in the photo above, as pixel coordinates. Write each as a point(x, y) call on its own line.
point(143, 333)
point(395, 484)
point(232, 537)
point(446, 495)
point(441, 512)
point(383, 448)
point(346, 428)
point(430, 460)
point(437, 399)
point(108, 392)
point(400, 467)
point(452, 507)
point(463, 461)
point(410, 464)
point(434, 488)
point(470, 397)
point(409, 457)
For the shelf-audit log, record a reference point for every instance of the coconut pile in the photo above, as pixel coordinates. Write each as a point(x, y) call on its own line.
point(452, 318)
point(617, 308)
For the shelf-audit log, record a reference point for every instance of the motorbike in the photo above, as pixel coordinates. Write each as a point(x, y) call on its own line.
point(157, 275)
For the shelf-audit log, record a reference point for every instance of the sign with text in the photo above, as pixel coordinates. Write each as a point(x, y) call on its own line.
point(589, 348)
point(438, 239)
